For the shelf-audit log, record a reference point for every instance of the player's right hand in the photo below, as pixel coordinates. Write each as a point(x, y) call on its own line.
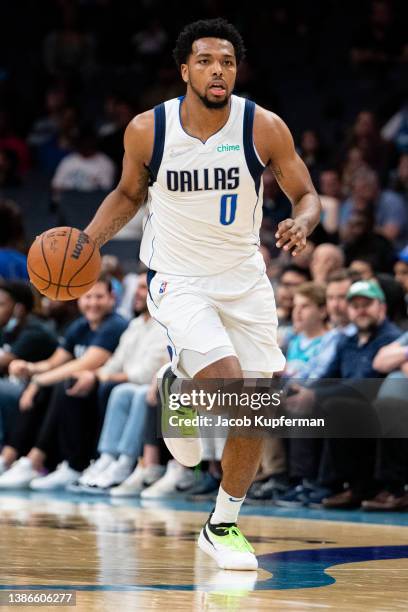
point(291, 234)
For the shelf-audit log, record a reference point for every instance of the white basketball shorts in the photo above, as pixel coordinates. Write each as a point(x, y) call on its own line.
point(233, 309)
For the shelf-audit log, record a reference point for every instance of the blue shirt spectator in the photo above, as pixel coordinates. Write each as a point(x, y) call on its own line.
point(13, 265)
point(79, 335)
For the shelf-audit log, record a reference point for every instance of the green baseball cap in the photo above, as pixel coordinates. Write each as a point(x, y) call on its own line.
point(369, 289)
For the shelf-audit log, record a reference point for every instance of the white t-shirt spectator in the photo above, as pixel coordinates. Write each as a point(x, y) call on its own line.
point(84, 173)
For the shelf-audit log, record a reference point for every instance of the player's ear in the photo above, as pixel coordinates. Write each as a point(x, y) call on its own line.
point(184, 72)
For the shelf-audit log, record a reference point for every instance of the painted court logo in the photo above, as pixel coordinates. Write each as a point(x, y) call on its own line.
point(227, 147)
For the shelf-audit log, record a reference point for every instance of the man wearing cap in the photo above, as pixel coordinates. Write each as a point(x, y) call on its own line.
point(343, 459)
point(355, 458)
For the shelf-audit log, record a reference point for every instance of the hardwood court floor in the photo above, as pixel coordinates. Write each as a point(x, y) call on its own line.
point(142, 556)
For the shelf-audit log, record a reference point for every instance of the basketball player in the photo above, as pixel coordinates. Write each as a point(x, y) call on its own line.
point(199, 161)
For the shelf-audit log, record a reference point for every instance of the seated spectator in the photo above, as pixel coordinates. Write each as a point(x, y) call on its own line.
point(330, 194)
point(360, 241)
point(353, 163)
point(22, 336)
point(309, 323)
point(87, 169)
point(13, 263)
point(352, 460)
point(361, 269)
point(326, 259)
point(70, 434)
point(290, 278)
point(388, 208)
point(392, 453)
point(311, 152)
point(58, 315)
point(141, 351)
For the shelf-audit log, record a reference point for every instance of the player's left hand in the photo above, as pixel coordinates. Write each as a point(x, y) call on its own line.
point(291, 234)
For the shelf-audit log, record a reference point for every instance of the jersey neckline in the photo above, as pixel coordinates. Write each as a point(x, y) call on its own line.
point(217, 133)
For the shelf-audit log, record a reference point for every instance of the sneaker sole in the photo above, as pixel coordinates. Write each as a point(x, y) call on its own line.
point(206, 547)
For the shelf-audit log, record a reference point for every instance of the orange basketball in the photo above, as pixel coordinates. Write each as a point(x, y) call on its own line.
point(63, 263)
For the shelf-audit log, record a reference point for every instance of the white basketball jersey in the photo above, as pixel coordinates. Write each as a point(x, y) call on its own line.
point(205, 199)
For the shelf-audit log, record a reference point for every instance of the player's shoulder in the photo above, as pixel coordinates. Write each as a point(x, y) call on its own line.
point(142, 124)
point(265, 119)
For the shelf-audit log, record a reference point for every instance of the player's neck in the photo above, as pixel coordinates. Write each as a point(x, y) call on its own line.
point(200, 121)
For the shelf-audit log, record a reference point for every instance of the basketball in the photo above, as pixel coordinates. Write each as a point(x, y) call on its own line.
point(63, 263)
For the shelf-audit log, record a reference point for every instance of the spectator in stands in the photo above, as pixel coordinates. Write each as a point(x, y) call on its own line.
point(13, 263)
point(326, 259)
point(391, 218)
point(311, 152)
point(392, 453)
point(361, 269)
point(309, 324)
point(42, 427)
point(141, 351)
point(360, 241)
point(330, 194)
point(353, 163)
point(291, 277)
point(87, 169)
point(52, 150)
point(22, 336)
point(352, 460)
point(58, 315)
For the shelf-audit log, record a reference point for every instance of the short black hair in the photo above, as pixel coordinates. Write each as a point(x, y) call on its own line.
point(20, 293)
point(297, 270)
point(207, 28)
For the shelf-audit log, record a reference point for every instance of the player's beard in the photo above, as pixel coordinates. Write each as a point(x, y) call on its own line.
point(215, 104)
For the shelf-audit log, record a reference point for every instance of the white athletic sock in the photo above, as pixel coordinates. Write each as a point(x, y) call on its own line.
point(227, 508)
point(126, 461)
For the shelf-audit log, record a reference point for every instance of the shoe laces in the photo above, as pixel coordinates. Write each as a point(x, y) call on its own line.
point(238, 540)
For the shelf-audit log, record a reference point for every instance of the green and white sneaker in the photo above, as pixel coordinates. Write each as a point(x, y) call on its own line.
point(186, 446)
point(225, 543)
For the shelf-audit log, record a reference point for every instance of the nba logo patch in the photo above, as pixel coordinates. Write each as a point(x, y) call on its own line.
point(163, 287)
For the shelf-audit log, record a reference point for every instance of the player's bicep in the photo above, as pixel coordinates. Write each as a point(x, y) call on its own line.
point(292, 176)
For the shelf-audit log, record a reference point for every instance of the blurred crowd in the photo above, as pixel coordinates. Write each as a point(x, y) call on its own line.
point(78, 400)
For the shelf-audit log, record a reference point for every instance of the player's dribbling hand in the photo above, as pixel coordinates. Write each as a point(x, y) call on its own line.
point(291, 234)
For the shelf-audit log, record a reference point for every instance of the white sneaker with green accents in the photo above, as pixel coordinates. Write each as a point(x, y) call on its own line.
point(187, 447)
point(225, 543)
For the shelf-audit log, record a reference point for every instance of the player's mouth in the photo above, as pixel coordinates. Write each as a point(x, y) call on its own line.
point(217, 88)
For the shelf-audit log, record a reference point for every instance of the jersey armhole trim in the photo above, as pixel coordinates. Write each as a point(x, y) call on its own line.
point(159, 137)
point(253, 162)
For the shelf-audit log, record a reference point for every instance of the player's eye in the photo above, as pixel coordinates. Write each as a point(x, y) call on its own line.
point(203, 61)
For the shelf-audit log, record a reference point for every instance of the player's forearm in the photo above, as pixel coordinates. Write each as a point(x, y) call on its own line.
point(114, 213)
point(307, 211)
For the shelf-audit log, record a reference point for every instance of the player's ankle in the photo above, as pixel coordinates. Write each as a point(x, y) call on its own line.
point(227, 508)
